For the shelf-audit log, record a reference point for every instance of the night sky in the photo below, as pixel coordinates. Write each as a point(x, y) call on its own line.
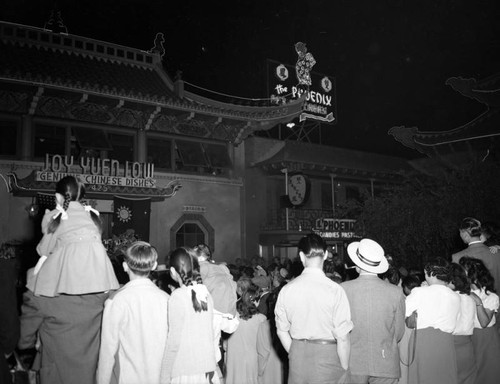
point(390, 58)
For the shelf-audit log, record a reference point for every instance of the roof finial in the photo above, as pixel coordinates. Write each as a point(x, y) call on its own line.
point(158, 47)
point(55, 22)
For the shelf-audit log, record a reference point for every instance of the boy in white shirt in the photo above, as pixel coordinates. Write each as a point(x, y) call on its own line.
point(134, 325)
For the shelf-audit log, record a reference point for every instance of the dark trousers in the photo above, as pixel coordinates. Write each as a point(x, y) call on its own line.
point(314, 363)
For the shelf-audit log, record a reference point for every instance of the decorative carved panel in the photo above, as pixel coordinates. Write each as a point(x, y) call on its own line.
point(13, 102)
point(90, 112)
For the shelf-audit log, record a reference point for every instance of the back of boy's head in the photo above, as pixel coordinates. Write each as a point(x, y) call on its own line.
point(141, 258)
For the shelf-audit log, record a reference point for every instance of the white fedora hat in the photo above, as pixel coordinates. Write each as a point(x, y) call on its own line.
point(368, 255)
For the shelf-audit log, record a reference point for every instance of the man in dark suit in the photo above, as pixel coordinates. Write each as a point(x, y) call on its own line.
point(378, 314)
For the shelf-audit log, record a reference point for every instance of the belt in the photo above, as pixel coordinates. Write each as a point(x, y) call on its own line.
point(318, 341)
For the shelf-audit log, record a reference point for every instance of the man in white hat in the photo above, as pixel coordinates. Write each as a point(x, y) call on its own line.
point(313, 320)
point(378, 314)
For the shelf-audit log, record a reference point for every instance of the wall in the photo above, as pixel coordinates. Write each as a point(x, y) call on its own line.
point(220, 202)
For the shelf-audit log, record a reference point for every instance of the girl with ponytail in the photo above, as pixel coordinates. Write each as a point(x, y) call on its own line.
point(189, 353)
point(73, 259)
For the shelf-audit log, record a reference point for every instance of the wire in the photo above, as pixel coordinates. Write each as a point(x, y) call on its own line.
point(232, 96)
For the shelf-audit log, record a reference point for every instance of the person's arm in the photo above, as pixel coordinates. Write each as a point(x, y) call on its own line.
point(484, 315)
point(282, 323)
point(344, 350)
point(411, 306)
point(264, 345)
point(111, 325)
point(285, 338)
point(411, 321)
point(176, 316)
point(342, 327)
point(400, 318)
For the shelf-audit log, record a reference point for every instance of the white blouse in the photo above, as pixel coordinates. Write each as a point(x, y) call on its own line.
point(437, 306)
point(466, 316)
point(491, 302)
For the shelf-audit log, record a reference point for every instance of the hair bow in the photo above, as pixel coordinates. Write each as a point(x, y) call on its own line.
point(88, 208)
point(201, 292)
point(62, 212)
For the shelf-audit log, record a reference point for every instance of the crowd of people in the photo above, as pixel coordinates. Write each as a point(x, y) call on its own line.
point(314, 319)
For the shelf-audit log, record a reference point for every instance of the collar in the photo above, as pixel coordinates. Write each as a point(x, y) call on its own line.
point(139, 281)
point(475, 242)
point(313, 271)
point(368, 275)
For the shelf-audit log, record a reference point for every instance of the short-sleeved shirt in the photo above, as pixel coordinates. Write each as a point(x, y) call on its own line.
point(313, 307)
point(491, 302)
point(437, 306)
point(465, 321)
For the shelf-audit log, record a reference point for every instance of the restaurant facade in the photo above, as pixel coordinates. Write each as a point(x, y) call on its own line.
point(152, 152)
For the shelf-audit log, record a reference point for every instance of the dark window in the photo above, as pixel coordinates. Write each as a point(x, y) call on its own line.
point(9, 133)
point(123, 147)
point(191, 153)
point(49, 139)
point(160, 153)
point(189, 235)
point(217, 155)
point(92, 138)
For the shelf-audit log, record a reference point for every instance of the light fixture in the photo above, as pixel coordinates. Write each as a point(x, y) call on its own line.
point(33, 208)
point(291, 125)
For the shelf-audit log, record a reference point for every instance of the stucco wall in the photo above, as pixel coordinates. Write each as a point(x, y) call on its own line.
point(220, 205)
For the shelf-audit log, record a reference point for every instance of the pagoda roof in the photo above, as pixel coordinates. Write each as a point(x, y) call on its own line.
point(324, 160)
point(482, 132)
point(40, 61)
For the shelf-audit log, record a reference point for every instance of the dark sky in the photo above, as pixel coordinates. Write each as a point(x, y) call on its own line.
point(390, 58)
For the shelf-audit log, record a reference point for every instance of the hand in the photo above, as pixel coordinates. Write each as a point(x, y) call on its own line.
point(345, 378)
point(411, 321)
point(476, 298)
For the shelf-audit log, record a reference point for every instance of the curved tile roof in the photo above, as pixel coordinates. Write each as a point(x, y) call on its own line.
point(38, 56)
